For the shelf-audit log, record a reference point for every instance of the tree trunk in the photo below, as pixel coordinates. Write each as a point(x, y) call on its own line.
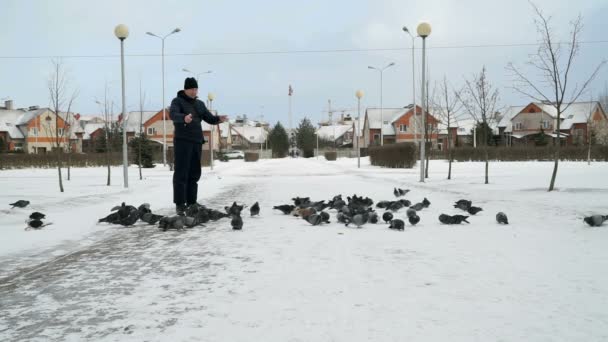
point(59, 170)
point(487, 164)
point(449, 163)
point(108, 161)
point(69, 164)
point(426, 169)
point(139, 157)
point(554, 174)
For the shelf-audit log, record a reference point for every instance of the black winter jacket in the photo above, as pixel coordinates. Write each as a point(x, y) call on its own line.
point(183, 105)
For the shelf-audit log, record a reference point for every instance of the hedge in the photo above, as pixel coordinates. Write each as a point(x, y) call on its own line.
point(524, 153)
point(401, 155)
point(49, 160)
point(331, 155)
point(252, 156)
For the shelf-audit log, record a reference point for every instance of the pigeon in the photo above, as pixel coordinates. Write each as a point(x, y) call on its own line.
point(300, 201)
point(396, 192)
point(458, 219)
point(411, 212)
point(595, 220)
point(171, 222)
point(400, 192)
point(417, 206)
point(215, 215)
point(397, 224)
point(150, 218)
point(383, 204)
point(463, 204)
point(501, 218)
point(359, 220)
point(395, 206)
point(202, 216)
point(36, 224)
point(285, 208)
point(131, 218)
point(324, 216)
point(144, 208)
point(113, 218)
point(20, 204)
point(387, 216)
point(190, 222)
point(373, 218)
point(413, 219)
point(314, 219)
point(304, 212)
point(339, 204)
point(343, 218)
point(426, 203)
point(234, 209)
point(474, 210)
point(255, 209)
point(37, 216)
point(445, 219)
point(236, 222)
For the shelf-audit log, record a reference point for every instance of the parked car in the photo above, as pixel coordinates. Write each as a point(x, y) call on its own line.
point(234, 154)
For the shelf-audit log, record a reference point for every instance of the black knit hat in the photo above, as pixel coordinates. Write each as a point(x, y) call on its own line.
point(190, 83)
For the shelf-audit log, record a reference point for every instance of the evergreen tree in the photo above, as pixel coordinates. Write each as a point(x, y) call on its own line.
point(146, 151)
point(278, 141)
point(305, 138)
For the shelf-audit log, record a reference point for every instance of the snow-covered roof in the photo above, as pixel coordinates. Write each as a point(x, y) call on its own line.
point(388, 115)
point(333, 132)
point(508, 115)
point(578, 112)
point(254, 135)
point(8, 120)
point(464, 125)
point(133, 119)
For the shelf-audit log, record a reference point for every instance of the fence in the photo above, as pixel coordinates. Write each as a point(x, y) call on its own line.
point(49, 160)
point(523, 153)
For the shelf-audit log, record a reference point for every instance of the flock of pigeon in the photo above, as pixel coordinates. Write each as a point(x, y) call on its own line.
point(355, 210)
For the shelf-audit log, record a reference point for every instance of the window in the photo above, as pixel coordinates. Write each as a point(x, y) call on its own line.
point(60, 131)
point(402, 128)
point(386, 122)
point(376, 136)
point(545, 124)
point(151, 130)
point(35, 131)
point(519, 125)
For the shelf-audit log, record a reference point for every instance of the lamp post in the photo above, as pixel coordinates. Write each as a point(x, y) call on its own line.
point(122, 32)
point(381, 71)
point(163, 80)
point(413, 82)
point(197, 75)
point(424, 30)
point(211, 97)
point(359, 95)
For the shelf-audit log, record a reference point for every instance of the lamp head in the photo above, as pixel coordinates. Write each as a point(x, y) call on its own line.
point(121, 31)
point(424, 29)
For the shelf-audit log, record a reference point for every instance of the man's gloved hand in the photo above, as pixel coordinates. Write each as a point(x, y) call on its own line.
point(188, 118)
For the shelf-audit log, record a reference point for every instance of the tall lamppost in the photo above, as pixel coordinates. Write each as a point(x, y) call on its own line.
point(122, 32)
point(198, 75)
point(359, 95)
point(424, 30)
point(163, 77)
point(211, 97)
point(381, 71)
point(413, 81)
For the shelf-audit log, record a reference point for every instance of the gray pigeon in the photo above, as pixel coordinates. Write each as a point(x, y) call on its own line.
point(150, 218)
point(387, 216)
point(463, 204)
point(36, 224)
point(413, 219)
point(131, 218)
point(595, 220)
point(314, 219)
point(171, 222)
point(324, 216)
point(426, 203)
point(501, 218)
point(373, 218)
point(359, 220)
point(411, 212)
point(417, 206)
point(397, 224)
point(474, 210)
point(20, 204)
point(236, 222)
point(37, 216)
point(190, 222)
point(255, 209)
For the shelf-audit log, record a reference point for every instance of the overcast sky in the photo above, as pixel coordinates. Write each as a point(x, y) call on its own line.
point(256, 84)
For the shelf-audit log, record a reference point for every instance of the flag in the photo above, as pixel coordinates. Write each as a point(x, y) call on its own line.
point(290, 90)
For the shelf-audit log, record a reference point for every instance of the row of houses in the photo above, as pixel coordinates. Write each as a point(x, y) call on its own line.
point(517, 125)
point(39, 130)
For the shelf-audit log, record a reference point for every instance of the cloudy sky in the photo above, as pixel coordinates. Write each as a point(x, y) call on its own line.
point(227, 36)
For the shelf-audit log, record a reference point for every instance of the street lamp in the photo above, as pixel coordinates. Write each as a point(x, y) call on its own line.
point(122, 32)
point(163, 77)
point(359, 95)
point(424, 30)
point(413, 81)
point(381, 110)
point(211, 97)
point(197, 75)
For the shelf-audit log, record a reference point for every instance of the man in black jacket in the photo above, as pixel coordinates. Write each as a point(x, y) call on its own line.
point(187, 113)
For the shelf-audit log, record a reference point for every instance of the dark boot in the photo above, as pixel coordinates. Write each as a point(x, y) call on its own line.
point(180, 209)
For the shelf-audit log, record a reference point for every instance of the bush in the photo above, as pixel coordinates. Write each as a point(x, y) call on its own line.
point(331, 156)
point(252, 156)
point(49, 160)
point(401, 155)
point(524, 153)
point(308, 153)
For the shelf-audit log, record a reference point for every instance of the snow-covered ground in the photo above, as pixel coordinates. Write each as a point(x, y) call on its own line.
point(542, 278)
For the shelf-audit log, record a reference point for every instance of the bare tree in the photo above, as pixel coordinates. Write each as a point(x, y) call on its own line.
point(107, 121)
point(554, 61)
point(603, 97)
point(479, 99)
point(59, 98)
point(142, 100)
point(448, 110)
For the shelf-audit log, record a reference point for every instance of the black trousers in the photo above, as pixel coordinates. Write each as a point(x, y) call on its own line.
point(187, 171)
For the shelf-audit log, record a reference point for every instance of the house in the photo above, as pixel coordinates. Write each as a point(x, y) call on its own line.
point(341, 135)
point(38, 130)
point(398, 125)
point(523, 124)
point(460, 133)
point(225, 136)
point(248, 137)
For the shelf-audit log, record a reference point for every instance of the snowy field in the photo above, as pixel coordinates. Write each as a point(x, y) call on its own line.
point(542, 278)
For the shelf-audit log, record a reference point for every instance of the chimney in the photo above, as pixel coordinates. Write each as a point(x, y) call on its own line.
point(8, 104)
